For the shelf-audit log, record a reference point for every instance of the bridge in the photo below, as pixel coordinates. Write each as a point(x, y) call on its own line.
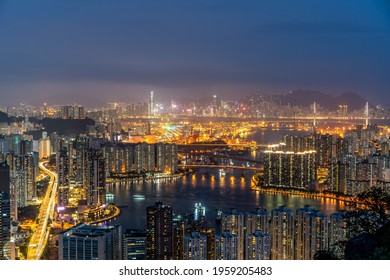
point(219, 166)
point(247, 145)
point(238, 159)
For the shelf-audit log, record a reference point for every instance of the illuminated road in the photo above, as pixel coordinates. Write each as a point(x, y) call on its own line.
point(40, 236)
point(219, 166)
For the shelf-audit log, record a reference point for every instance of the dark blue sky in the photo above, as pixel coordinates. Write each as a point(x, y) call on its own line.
point(79, 51)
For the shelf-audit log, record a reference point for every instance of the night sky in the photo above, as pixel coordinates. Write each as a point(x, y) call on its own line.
point(95, 51)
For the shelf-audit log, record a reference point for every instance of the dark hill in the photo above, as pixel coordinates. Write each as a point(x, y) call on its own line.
point(70, 128)
point(307, 97)
point(5, 118)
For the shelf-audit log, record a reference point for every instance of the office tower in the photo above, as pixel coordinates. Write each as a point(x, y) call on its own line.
point(5, 221)
point(282, 234)
point(63, 172)
point(195, 246)
point(226, 246)
point(134, 244)
point(311, 233)
point(96, 180)
point(159, 232)
point(151, 105)
point(233, 221)
point(258, 246)
point(85, 242)
point(257, 220)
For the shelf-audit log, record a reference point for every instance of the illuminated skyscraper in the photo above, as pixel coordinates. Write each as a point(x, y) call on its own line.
point(226, 246)
point(290, 169)
point(5, 221)
point(72, 112)
point(282, 234)
point(96, 181)
point(151, 105)
point(205, 228)
point(233, 221)
point(311, 233)
point(44, 148)
point(257, 220)
point(63, 171)
point(258, 246)
point(195, 246)
point(4, 177)
point(337, 232)
point(159, 232)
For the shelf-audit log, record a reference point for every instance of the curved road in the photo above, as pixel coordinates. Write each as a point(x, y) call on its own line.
point(40, 236)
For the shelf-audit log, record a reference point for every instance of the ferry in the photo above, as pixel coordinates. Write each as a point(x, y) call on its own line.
point(138, 197)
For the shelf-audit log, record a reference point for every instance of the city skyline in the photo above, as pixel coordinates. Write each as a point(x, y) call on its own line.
point(84, 51)
point(194, 130)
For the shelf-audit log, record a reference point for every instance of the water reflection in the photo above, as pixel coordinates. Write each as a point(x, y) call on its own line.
point(213, 191)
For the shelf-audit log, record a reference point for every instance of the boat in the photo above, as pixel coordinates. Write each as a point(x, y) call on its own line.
point(138, 197)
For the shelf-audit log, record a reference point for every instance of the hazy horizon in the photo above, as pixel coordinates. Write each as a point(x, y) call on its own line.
point(100, 51)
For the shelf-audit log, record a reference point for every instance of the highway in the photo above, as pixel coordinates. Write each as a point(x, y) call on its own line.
point(40, 236)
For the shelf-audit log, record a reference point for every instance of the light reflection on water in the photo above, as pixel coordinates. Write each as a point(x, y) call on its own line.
point(208, 188)
point(211, 189)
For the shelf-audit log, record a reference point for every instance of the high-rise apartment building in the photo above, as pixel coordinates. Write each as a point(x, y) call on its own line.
point(226, 246)
point(96, 180)
point(233, 221)
point(257, 220)
point(159, 232)
point(290, 169)
point(72, 112)
point(5, 221)
point(282, 234)
point(258, 246)
point(63, 171)
point(312, 233)
point(195, 246)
